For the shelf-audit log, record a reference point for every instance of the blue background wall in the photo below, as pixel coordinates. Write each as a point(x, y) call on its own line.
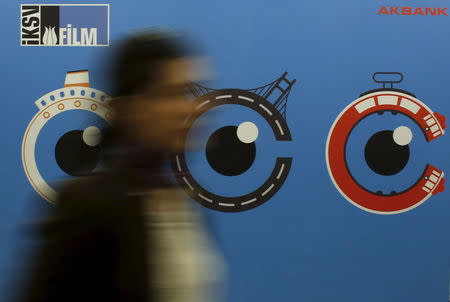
point(307, 243)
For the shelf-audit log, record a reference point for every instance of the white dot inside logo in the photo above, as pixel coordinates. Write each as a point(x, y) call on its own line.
point(402, 135)
point(247, 132)
point(92, 136)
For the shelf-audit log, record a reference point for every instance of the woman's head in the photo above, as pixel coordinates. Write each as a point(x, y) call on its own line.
point(151, 74)
point(139, 60)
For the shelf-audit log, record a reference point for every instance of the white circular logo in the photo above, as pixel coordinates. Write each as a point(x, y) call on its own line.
point(75, 95)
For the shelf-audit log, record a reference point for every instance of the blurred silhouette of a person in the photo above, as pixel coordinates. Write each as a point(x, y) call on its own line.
point(125, 234)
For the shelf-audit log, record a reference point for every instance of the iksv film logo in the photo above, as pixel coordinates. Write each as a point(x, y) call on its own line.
point(64, 25)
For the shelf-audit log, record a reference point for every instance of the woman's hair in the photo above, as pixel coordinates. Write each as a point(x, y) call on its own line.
point(135, 65)
point(137, 62)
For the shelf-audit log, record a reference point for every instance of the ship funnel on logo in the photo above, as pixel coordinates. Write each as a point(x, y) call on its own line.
point(50, 37)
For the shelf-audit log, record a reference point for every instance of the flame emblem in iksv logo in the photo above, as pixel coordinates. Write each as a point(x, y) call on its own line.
point(50, 37)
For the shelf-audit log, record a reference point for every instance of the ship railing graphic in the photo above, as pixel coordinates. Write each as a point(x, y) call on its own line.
point(276, 92)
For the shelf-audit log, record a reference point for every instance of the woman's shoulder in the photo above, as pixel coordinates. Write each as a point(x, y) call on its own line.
point(91, 192)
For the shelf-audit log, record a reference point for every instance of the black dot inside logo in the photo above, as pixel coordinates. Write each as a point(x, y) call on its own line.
point(227, 154)
point(383, 155)
point(74, 156)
